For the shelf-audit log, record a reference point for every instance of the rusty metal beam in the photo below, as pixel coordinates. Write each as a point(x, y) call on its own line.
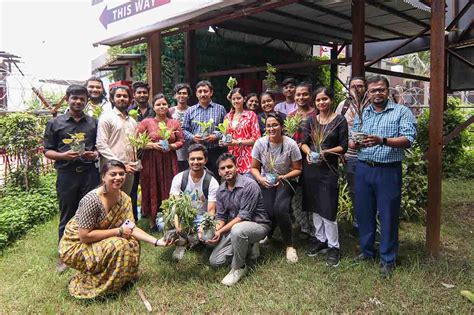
point(332, 78)
point(397, 74)
point(403, 44)
point(296, 65)
point(341, 49)
point(400, 14)
point(455, 54)
point(459, 16)
point(190, 57)
point(154, 77)
point(226, 17)
point(358, 38)
point(348, 18)
point(435, 133)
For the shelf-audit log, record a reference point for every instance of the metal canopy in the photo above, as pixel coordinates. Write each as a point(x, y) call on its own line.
point(120, 61)
point(309, 21)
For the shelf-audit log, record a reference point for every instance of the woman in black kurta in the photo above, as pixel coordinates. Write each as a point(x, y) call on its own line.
point(321, 176)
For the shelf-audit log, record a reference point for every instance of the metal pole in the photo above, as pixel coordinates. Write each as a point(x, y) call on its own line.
point(358, 37)
point(190, 55)
point(437, 99)
point(332, 81)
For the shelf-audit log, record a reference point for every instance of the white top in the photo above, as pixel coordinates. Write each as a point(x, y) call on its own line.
point(195, 190)
point(283, 155)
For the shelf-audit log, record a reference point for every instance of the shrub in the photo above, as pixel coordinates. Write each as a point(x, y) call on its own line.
point(20, 211)
point(414, 186)
point(453, 152)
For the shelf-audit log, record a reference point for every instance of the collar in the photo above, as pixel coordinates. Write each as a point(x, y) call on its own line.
point(239, 183)
point(390, 105)
point(211, 104)
point(68, 116)
point(119, 113)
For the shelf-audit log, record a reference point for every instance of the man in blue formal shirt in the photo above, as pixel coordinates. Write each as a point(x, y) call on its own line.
point(388, 129)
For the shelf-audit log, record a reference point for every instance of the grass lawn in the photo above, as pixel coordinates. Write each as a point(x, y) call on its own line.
point(29, 283)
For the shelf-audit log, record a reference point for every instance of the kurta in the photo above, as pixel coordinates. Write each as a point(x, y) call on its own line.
point(104, 266)
point(159, 167)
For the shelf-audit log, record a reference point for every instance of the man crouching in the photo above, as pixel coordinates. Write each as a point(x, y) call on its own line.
point(242, 220)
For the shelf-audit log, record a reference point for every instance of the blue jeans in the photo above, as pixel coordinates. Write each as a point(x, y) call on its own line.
point(378, 188)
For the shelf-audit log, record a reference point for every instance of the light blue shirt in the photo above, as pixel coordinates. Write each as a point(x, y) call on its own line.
point(198, 113)
point(394, 121)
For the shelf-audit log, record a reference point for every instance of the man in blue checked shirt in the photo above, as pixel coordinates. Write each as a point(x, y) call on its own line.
point(203, 111)
point(389, 129)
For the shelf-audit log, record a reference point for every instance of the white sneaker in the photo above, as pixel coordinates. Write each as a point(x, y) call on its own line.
point(291, 255)
point(178, 253)
point(254, 251)
point(234, 276)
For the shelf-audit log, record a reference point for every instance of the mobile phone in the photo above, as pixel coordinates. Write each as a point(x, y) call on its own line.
point(128, 223)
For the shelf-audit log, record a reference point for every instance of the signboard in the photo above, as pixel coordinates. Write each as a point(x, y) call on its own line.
point(128, 9)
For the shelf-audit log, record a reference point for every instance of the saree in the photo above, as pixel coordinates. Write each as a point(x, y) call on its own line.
point(104, 266)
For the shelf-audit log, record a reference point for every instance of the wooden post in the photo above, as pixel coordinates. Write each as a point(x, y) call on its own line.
point(190, 56)
point(437, 100)
point(334, 54)
point(154, 63)
point(358, 37)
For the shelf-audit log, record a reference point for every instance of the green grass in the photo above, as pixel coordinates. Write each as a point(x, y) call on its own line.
point(30, 285)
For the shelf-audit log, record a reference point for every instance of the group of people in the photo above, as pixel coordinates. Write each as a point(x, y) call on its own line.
point(246, 176)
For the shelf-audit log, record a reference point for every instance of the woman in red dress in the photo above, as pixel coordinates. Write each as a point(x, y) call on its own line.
point(160, 164)
point(243, 126)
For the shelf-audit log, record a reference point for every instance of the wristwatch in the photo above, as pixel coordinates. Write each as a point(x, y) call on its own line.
point(384, 141)
point(239, 142)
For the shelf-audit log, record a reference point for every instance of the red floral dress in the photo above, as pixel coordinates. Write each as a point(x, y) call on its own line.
point(159, 167)
point(246, 128)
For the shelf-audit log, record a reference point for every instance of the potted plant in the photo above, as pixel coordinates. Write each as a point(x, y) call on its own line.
point(205, 127)
point(270, 81)
point(358, 102)
point(231, 83)
point(97, 111)
point(208, 226)
point(133, 113)
point(178, 216)
point(164, 134)
point(292, 124)
point(271, 175)
point(223, 127)
point(138, 142)
point(318, 134)
point(76, 142)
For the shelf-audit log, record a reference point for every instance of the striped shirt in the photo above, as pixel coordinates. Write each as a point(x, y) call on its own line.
point(394, 121)
point(203, 114)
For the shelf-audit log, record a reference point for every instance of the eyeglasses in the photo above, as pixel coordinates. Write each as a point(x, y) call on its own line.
point(377, 91)
point(272, 126)
point(357, 86)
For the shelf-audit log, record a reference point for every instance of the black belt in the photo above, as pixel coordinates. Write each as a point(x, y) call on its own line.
point(374, 164)
point(78, 169)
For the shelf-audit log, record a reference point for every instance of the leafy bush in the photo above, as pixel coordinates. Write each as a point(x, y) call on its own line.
point(453, 152)
point(20, 211)
point(414, 186)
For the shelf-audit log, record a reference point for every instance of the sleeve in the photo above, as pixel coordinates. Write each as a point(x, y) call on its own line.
point(343, 135)
point(221, 213)
point(142, 126)
point(307, 129)
point(187, 126)
point(88, 212)
point(408, 125)
point(50, 137)
point(355, 126)
point(176, 184)
point(248, 204)
point(103, 133)
point(257, 151)
point(179, 140)
point(254, 127)
point(339, 107)
point(295, 153)
point(213, 188)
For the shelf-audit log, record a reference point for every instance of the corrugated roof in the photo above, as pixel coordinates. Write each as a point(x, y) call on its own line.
point(309, 21)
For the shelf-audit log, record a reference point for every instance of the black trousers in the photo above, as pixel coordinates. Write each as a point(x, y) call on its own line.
point(212, 156)
point(71, 186)
point(134, 195)
point(277, 203)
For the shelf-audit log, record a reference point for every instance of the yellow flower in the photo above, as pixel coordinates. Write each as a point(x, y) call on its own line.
point(67, 141)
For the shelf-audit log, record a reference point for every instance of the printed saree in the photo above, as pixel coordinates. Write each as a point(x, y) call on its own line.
point(104, 266)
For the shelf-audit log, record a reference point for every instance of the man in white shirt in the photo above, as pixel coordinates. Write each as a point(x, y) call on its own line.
point(96, 97)
point(112, 134)
point(200, 184)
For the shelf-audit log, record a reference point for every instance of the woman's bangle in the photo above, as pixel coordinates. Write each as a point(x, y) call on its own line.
point(156, 242)
point(120, 231)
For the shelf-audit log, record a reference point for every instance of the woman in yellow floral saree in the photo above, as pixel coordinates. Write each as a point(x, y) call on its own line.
point(102, 241)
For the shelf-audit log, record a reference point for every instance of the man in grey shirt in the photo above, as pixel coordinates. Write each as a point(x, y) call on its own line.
point(242, 220)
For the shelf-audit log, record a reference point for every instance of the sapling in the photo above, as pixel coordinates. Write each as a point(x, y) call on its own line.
point(208, 226)
point(223, 127)
point(204, 127)
point(138, 142)
point(133, 113)
point(164, 134)
point(231, 83)
point(319, 132)
point(292, 124)
point(357, 103)
point(179, 213)
point(97, 111)
point(76, 142)
point(270, 79)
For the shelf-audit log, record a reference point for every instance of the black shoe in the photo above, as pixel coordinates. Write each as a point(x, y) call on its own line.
point(317, 248)
point(333, 257)
point(386, 270)
point(362, 258)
